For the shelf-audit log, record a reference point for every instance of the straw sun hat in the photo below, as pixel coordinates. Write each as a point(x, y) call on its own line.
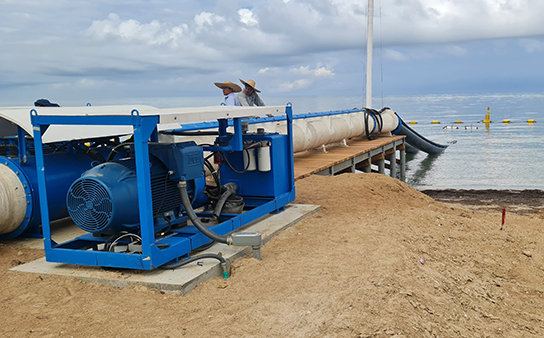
point(227, 84)
point(250, 83)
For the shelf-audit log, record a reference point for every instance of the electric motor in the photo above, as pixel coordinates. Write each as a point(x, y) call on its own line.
point(104, 200)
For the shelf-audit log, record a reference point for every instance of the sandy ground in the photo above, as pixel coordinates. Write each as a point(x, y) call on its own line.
point(380, 260)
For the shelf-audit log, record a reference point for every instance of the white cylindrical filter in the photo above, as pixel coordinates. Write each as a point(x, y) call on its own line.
point(264, 159)
point(12, 200)
point(249, 156)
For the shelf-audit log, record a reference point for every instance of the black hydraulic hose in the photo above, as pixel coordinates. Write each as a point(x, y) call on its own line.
point(182, 187)
point(230, 190)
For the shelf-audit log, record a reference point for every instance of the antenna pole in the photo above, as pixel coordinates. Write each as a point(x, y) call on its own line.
point(370, 24)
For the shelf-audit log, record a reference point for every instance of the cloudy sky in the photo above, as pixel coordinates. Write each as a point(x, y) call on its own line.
point(99, 50)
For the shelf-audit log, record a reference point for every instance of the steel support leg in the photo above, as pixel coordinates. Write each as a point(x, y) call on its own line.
point(403, 165)
point(393, 164)
point(381, 164)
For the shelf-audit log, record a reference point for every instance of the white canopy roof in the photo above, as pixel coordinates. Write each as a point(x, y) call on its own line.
point(169, 118)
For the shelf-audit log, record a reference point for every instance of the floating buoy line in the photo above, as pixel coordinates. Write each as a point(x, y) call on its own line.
point(485, 121)
point(507, 121)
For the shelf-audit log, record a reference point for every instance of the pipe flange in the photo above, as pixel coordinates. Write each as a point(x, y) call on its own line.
point(28, 194)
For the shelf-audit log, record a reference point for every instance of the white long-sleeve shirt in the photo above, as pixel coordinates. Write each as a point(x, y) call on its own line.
point(231, 100)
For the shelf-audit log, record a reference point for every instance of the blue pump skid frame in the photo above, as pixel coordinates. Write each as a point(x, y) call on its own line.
point(279, 190)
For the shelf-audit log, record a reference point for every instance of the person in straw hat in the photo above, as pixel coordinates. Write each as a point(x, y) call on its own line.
point(249, 96)
point(229, 89)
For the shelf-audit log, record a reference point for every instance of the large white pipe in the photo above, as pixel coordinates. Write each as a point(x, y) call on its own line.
point(313, 132)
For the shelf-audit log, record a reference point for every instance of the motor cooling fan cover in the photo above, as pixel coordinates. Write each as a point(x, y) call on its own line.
point(90, 205)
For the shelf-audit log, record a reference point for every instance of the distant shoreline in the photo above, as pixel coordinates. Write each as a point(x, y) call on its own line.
point(520, 201)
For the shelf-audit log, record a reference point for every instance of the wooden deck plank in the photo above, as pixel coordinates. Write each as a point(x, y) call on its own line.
point(311, 162)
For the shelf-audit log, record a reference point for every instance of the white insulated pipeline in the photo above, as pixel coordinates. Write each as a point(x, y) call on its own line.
point(12, 200)
point(314, 132)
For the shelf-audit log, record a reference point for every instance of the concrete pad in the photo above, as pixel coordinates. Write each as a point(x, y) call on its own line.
point(183, 279)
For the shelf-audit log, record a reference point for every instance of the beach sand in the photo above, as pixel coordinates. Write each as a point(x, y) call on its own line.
point(380, 260)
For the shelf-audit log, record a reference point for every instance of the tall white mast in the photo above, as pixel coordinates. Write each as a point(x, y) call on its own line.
point(370, 24)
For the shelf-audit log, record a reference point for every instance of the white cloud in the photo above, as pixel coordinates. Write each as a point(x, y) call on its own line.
point(323, 72)
point(206, 19)
point(318, 72)
point(302, 70)
point(153, 33)
point(247, 17)
point(87, 82)
point(298, 84)
point(395, 55)
point(268, 70)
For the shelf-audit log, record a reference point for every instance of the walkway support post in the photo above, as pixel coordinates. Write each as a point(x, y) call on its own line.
point(403, 164)
point(393, 164)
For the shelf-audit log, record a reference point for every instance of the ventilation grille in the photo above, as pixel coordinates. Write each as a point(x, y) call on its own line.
point(90, 205)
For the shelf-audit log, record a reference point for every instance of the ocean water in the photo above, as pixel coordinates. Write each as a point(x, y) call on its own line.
point(480, 156)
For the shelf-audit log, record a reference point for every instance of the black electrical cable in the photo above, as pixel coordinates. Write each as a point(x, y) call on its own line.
point(164, 231)
point(207, 157)
point(222, 260)
point(113, 239)
point(213, 172)
point(380, 119)
point(379, 122)
point(91, 153)
point(204, 247)
point(114, 151)
point(114, 243)
point(231, 167)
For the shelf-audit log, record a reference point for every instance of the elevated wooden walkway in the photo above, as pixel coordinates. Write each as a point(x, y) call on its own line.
point(360, 155)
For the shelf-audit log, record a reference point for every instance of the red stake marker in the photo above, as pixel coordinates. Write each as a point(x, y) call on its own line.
point(503, 217)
